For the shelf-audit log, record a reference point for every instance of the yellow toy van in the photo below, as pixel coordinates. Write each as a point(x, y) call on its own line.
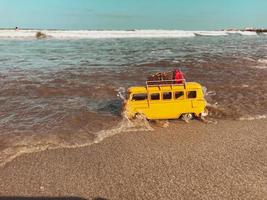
point(165, 100)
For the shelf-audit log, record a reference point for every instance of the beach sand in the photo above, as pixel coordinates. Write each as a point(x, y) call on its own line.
point(227, 160)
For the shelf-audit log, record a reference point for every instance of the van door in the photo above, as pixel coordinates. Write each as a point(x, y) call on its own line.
point(162, 106)
point(192, 95)
point(198, 103)
point(139, 102)
point(182, 104)
point(155, 105)
point(167, 105)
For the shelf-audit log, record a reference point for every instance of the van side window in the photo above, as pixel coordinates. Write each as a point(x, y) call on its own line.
point(167, 95)
point(179, 95)
point(192, 94)
point(155, 96)
point(139, 97)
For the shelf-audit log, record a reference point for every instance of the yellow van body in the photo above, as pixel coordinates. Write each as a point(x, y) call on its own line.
point(169, 101)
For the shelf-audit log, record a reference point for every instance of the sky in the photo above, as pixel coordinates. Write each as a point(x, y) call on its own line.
point(133, 14)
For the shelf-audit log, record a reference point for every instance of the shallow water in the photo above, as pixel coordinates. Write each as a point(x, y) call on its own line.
point(62, 92)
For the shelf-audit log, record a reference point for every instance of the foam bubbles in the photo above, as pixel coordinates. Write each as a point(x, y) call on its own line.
point(262, 64)
point(255, 117)
point(126, 125)
point(259, 67)
point(247, 33)
point(211, 33)
point(95, 34)
point(263, 61)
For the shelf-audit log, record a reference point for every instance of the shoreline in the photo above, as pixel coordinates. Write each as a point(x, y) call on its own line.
point(188, 161)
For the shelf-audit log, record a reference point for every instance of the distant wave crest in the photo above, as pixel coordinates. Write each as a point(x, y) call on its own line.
point(95, 34)
point(60, 34)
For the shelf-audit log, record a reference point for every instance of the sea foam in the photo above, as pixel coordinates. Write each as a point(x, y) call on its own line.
point(80, 34)
point(247, 33)
point(250, 118)
point(96, 34)
point(211, 33)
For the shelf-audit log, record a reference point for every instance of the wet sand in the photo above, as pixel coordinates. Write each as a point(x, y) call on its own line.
point(227, 160)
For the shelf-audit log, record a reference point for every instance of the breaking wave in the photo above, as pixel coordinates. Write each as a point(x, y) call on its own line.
point(96, 34)
point(247, 33)
point(64, 34)
point(211, 33)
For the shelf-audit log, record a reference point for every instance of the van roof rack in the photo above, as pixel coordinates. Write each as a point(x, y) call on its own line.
point(171, 83)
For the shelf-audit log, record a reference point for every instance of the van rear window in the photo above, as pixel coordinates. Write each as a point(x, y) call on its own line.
point(167, 95)
point(155, 96)
point(139, 97)
point(192, 94)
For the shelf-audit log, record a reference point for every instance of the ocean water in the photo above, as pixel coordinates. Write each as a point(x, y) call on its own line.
point(62, 91)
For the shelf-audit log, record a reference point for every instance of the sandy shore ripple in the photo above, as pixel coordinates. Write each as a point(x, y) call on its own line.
point(227, 160)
